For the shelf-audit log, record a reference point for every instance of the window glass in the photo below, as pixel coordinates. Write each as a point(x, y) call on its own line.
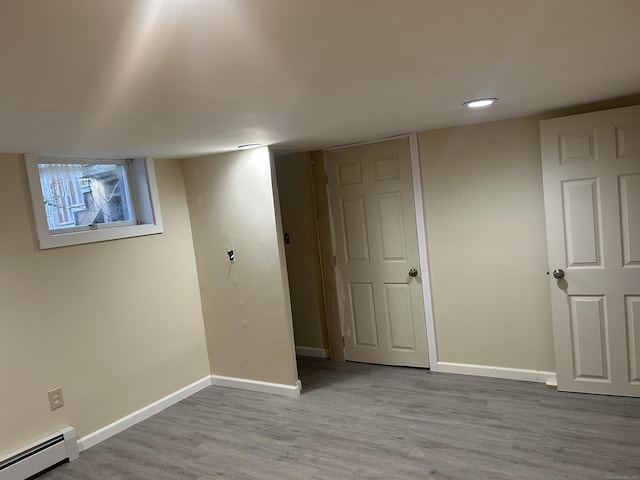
point(82, 194)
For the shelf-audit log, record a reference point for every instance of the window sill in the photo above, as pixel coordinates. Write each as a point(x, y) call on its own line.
point(92, 236)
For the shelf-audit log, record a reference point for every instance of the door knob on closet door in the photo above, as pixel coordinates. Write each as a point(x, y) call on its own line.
point(413, 272)
point(558, 273)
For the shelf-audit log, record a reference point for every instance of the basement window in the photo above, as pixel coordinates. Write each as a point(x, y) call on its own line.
point(85, 200)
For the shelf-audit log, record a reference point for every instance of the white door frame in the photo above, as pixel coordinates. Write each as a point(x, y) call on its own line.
point(422, 238)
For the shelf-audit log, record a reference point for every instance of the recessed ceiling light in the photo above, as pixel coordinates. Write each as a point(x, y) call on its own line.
point(249, 145)
point(480, 102)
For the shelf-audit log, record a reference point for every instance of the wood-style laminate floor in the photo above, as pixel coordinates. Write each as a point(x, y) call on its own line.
point(356, 421)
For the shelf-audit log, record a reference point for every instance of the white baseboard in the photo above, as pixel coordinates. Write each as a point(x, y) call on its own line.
point(498, 372)
point(313, 352)
point(257, 386)
point(118, 426)
point(130, 420)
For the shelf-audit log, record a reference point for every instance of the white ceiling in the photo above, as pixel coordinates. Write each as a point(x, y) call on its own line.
point(188, 77)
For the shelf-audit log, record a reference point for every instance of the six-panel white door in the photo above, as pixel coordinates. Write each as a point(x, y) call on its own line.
point(372, 207)
point(591, 171)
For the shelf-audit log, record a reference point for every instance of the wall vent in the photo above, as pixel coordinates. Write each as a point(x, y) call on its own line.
point(57, 448)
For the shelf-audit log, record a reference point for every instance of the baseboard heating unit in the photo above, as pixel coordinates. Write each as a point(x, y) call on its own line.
point(57, 448)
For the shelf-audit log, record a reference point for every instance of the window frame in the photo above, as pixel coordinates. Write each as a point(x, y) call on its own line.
point(144, 200)
point(128, 173)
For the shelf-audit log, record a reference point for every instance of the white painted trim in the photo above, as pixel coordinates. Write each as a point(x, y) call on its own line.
point(498, 372)
point(313, 352)
point(257, 386)
point(422, 252)
point(370, 142)
point(145, 412)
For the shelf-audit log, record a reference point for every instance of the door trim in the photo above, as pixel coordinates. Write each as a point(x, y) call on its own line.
point(422, 251)
point(370, 142)
point(327, 246)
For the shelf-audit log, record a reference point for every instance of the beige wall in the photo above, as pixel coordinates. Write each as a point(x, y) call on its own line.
point(484, 210)
point(303, 260)
point(117, 325)
point(246, 304)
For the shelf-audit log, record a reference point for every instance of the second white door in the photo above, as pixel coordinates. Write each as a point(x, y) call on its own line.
point(378, 268)
point(591, 171)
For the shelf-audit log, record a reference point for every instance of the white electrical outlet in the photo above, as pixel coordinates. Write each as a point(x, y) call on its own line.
point(55, 398)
